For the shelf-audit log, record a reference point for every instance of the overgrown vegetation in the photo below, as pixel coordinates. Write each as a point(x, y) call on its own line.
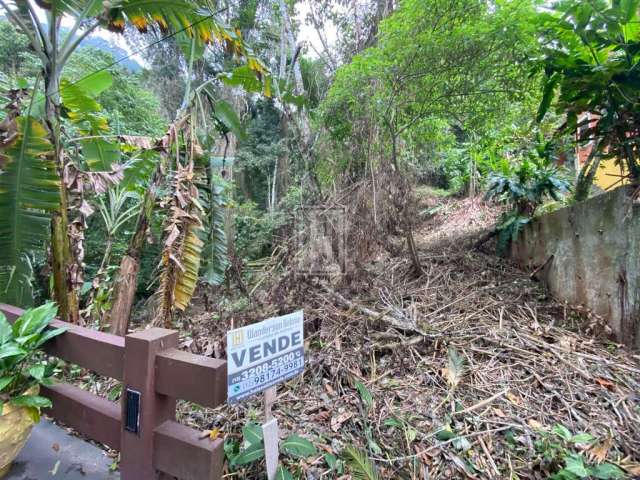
point(165, 180)
point(22, 366)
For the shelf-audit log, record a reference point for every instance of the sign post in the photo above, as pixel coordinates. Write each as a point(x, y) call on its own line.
point(270, 434)
point(259, 357)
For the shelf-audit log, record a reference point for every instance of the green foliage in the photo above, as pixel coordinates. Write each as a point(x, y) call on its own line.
point(215, 256)
point(591, 57)
point(29, 189)
point(85, 114)
point(523, 187)
point(562, 459)
point(129, 106)
point(258, 153)
point(255, 231)
point(463, 65)
point(359, 464)
point(21, 366)
point(15, 58)
point(297, 446)
point(251, 449)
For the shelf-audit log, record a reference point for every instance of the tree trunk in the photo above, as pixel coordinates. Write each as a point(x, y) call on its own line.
point(127, 279)
point(64, 289)
point(413, 251)
point(124, 294)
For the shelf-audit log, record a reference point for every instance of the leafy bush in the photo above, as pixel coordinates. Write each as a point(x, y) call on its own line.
point(524, 187)
point(21, 365)
point(561, 460)
point(251, 449)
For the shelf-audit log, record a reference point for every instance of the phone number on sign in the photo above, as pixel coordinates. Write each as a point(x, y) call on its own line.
point(278, 367)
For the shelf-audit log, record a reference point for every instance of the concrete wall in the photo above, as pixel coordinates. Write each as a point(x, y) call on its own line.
point(590, 254)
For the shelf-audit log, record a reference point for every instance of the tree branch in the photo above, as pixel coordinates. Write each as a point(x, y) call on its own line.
point(69, 48)
point(38, 27)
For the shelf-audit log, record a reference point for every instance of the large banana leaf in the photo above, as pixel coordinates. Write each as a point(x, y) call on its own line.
point(29, 190)
point(82, 108)
point(187, 277)
point(215, 255)
point(87, 8)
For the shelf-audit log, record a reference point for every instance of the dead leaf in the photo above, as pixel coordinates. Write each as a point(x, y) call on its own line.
point(513, 398)
point(212, 434)
point(337, 421)
point(534, 424)
point(499, 413)
point(603, 382)
point(56, 447)
point(599, 451)
point(322, 416)
point(568, 343)
point(329, 388)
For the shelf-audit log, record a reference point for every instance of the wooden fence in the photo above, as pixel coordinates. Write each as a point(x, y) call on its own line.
point(154, 373)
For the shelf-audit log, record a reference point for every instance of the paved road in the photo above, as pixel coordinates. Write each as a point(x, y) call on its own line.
point(51, 453)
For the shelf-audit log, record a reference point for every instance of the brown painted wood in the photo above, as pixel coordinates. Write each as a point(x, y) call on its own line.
point(97, 351)
point(198, 379)
point(179, 451)
point(136, 452)
point(149, 363)
point(93, 416)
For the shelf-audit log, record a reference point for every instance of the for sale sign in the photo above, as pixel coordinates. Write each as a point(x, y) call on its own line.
point(264, 354)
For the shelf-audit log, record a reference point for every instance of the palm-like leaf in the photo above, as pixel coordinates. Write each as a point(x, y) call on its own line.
point(176, 16)
point(29, 189)
point(360, 466)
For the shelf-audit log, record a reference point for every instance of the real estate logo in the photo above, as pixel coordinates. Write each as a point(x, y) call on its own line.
point(321, 241)
point(237, 338)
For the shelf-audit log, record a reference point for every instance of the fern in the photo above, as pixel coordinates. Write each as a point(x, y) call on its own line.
point(360, 465)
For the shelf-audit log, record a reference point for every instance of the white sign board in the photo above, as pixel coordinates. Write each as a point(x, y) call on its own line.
point(264, 354)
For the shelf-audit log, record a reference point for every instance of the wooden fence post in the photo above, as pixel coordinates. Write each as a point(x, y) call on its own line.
point(142, 408)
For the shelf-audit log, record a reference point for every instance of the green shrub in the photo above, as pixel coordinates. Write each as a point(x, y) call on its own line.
point(21, 365)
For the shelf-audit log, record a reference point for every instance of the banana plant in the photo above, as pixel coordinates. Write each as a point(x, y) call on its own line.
point(194, 18)
point(29, 189)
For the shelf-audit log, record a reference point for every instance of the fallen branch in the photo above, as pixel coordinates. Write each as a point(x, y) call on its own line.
point(380, 316)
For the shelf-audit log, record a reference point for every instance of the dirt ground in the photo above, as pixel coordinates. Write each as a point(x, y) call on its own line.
point(469, 370)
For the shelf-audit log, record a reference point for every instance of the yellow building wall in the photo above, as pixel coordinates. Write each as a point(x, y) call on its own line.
point(608, 174)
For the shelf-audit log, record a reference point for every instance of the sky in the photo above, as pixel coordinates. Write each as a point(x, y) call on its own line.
point(307, 33)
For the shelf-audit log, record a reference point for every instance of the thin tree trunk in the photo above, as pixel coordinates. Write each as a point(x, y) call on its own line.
point(274, 193)
point(64, 289)
point(413, 251)
point(125, 284)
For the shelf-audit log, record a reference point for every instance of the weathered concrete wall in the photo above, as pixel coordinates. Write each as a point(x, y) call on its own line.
point(590, 255)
